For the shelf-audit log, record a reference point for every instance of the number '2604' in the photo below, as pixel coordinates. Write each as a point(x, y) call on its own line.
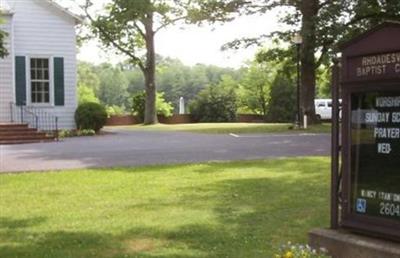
point(389, 209)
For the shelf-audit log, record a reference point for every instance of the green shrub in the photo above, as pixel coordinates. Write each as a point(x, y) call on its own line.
point(75, 133)
point(86, 94)
point(139, 104)
point(90, 116)
point(86, 132)
point(282, 105)
point(66, 133)
point(214, 104)
point(163, 107)
point(114, 111)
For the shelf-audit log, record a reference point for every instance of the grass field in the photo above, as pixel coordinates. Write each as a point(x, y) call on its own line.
point(233, 209)
point(237, 128)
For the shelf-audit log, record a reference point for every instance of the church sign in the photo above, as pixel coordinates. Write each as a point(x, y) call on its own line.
point(375, 66)
point(370, 87)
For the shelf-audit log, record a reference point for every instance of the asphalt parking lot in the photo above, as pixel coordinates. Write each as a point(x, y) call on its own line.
point(135, 148)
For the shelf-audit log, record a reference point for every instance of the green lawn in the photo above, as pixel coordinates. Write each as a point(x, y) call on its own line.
point(233, 209)
point(237, 128)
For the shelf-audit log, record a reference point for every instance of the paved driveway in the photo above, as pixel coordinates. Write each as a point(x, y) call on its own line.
point(133, 148)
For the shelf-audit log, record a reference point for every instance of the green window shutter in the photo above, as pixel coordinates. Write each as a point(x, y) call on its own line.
point(20, 80)
point(59, 81)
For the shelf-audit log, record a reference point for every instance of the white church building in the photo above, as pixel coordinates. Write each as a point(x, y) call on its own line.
point(38, 77)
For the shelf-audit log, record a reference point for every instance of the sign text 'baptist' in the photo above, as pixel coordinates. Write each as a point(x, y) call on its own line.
point(379, 65)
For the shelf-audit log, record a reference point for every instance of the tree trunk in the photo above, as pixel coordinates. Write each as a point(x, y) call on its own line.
point(150, 114)
point(309, 10)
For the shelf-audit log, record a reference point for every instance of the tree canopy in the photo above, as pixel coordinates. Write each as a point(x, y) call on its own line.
point(322, 23)
point(254, 90)
point(130, 28)
point(258, 88)
point(115, 85)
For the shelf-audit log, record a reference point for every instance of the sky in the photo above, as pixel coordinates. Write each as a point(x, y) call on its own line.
point(193, 44)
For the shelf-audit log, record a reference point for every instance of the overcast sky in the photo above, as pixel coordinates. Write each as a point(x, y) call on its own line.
point(194, 44)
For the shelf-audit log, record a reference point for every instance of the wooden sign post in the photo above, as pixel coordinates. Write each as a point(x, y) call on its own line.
point(366, 167)
point(371, 132)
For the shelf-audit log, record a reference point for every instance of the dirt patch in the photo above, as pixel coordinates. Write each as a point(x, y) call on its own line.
point(143, 245)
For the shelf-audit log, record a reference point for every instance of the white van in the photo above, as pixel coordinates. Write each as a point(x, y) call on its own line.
point(323, 108)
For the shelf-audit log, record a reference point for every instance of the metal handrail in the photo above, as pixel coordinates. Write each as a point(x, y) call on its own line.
point(35, 118)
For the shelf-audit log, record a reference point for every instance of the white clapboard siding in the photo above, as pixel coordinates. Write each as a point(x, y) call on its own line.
point(6, 73)
point(42, 30)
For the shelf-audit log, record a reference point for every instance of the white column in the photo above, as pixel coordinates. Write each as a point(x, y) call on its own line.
point(181, 106)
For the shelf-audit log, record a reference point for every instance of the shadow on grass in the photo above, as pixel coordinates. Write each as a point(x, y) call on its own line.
point(258, 215)
point(252, 216)
point(12, 224)
point(55, 244)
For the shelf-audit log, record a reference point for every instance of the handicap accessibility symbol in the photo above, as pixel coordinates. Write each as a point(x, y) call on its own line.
point(361, 206)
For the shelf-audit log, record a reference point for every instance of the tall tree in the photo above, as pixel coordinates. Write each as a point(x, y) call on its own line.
point(254, 89)
point(130, 27)
point(88, 76)
point(113, 86)
point(322, 23)
point(282, 102)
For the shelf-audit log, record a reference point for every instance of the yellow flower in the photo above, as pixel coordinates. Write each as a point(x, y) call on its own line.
point(289, 255)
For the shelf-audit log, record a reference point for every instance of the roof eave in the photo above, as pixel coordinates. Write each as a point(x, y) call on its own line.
point(344, 45)
point(77, 18)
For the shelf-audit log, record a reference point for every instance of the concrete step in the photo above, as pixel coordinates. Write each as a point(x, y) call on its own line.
point(345, 244)
point(13, 126)
point(25, 129)
point(32, 136)
point(21, 133)
point(18, 132)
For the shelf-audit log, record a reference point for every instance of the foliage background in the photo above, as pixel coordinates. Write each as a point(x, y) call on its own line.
point(260, 87)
